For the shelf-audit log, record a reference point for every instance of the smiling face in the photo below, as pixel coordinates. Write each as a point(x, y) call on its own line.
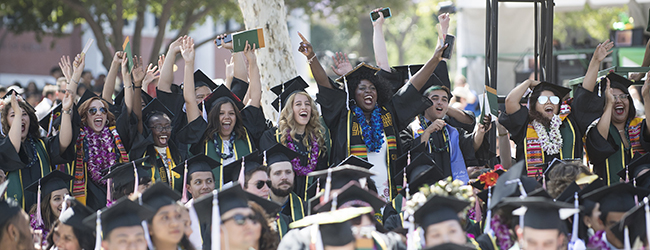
point(161, 129)
point(301, 109)
point(366, 95)
point(167, 226)
point(440, 105)
point(227, 119)
point(621, 106)
point(24, 125)
point(67, 239)
point(548, 108)
point(56, 200)
point(97, 115)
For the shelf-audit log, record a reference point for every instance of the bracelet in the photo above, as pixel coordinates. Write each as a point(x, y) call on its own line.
point(312, 58)
point(73, 82)
point(128, 86)
point(137, 87)
point(69, 111)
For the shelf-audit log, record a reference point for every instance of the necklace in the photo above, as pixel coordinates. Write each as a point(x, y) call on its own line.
point(231, 143)
point(432, 145)
point(34, 157)
point(313, 156)
point(551, 142)
point(373, 133)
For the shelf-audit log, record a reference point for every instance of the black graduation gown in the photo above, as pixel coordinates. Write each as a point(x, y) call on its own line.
point(300, 239)
point(174, 101)
point(144, 146)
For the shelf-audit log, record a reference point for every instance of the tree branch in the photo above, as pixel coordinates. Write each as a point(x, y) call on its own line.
point(162, 28)
point(139, 24)
point(95, 27)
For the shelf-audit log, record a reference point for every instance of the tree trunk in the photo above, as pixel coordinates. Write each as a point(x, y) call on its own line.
point(139, 24)
point(160, 36)
point(275, 60)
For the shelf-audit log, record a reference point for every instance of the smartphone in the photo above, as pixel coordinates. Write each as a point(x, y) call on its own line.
point(226, 39)
point(375, 15)
point(449, 39)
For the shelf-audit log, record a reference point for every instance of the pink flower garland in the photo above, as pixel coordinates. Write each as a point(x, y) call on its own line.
point(100, 152)
point(313, 156)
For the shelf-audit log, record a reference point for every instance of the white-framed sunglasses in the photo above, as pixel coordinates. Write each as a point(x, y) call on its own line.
point(544, 99)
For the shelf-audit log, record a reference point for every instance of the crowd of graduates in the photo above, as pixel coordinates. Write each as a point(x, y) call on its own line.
point(377, 160)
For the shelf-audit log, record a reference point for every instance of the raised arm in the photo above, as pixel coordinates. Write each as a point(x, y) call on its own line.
point(378, 41)
point(602, 51)
point(606, 118)
point(254, 92)
point(421, 77)
point(16, 125)
point(515, 95)
point(65, 134)
point(167, 70)
point(66, 67)
point(187, 51)
point(479, 134)
point(505, 154)
point(316, 69)
point(77, 69)
point(128, 87)
point(109, 84)
point(138, 77)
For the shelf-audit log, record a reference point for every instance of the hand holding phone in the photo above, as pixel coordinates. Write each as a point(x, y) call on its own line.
point(449, 39)
point(375, 14)
point(226, 39)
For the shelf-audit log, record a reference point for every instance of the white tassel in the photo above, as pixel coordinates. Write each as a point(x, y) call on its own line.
point(98, 231)
point(328, 184)
point(347, 93)
point(145, 226)
point(204, 113)
point(488, 216)
point(316, 239)
point(216, 222)
point(647, 218)
point(334, 201)
point(576, 217)
point(626, 239)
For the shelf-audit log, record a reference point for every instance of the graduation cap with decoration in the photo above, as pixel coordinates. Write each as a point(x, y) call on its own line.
point(351, 195)
point(352, 168)
point(219, 202)
point(123, 213)
point(123, 174)
point(8, 207)
point(358, 73)
point(619, 197)
point(201, 79)
point(438, 209)
point(198, 163)
point(334, 227)
point(283, 91)
point(540, 212)
point(420, 170)
point(44, 186)
point(52, 120)
point(220, 92)
point(74, 215)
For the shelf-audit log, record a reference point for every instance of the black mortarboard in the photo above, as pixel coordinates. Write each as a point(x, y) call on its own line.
point(450, 246)
point(221, 92)
point(8, 207)
point(438, 209)
point(635, 167)
point(422, 170)
point(508, 184)
point(230, 197)
point(279, 153)
point(119, 98)
point(557, 89)
point(618, 81)
point(85, 97)
point(540, 192)
point(239, 87)
point(75, 214)
point(355, 161)
point(159, 195)
point(568, 195)
point(271, 208)
point(201, 79)
point(123, 213)
point(541, 212)
point(198, 163)
point(55, 180)
point(361, 68)
point(122, 173)
point(616, 198)
point(635, 221)
point(51, 120)
point(352, 192)
point(8, 94)
point(341, 175)
point(153, 106)
point(294, 85)
point(251, 161)
point(334, 226)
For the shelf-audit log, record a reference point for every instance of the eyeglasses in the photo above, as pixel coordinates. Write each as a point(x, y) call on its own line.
point(260, 184)
point(93, 111)
point(160, 128)
point(240, 219)
point(544, 99)
point(621, 97)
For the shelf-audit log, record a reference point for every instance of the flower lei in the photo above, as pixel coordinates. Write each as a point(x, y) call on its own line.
point(444, 187)
point(100, 148)
point(553, 144)
point(36, 226)
point(373, 133)
point(501, 232)
point(489, 178)
point(596, 241)
point(313, 156)
point(230, 145)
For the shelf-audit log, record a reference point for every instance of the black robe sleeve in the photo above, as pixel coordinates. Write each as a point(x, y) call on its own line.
point(469, 127)
point(268, 139)
point(586, 107)
point(11, 160)
point(332, 103)
point(515, 123)
point(406, 104)
point(466, 144)
point(192, 133)
point(124, 124)
point(598, 147)
point(485, 242)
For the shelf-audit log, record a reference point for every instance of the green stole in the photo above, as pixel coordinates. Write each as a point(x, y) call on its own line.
point(357, 146)
point(283, 226)
point(617, 161)
point(160, 173)
point(397, 205)
point(242, 148)
point(297, 213)
point(16, 186)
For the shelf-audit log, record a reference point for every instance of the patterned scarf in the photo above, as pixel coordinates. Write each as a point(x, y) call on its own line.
point(535, 153)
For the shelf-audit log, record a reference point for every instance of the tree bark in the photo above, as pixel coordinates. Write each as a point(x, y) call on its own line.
point(97, 31)
point(139, 24)
point(162, 28)
point(275, 60)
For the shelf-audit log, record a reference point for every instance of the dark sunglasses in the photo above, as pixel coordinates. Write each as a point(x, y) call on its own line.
point(260, 184)
point(240, 219)
point(93, 111)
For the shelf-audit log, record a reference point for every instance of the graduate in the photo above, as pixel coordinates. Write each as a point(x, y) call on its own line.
point(120, 225)
point(365, 119)
point(52, 188)
point(198, 176)
point(266, 212)
point(166, 227)
point(72, 233)
point(122, 178)
point(15, 232)
point(301, 129)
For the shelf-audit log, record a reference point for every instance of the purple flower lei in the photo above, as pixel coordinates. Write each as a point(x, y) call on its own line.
point(100, 152)
point(596, 241)
point(502, 233)
point(313, 156)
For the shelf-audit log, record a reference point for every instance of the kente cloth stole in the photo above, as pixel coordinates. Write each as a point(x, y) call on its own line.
point(535, 153)
point(80, 176)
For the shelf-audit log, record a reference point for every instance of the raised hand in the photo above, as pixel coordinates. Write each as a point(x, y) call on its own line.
point(603, 50)
point(484, 128)
point(436, 125)
point(305, 47)
point(444, 22)
point(532, 83)
point(66, 68)
point(125, 72)
point(175, 46)
point(14, 105)
point(609, 94)
point(66, 104)
point(341, 63)
point(437, 54)
point(187, 49)
point(224, 45)
point(230, 68)
point(161, 61)
point(137, 71)
point(152, 74)
point(249, 52)
point(79, 63)
point(381, 19)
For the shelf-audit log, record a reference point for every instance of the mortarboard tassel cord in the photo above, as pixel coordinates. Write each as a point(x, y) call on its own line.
point(328, 184)
point(522, 194)
point(216, 221)
point(109, 184)
point(647, 218)
point(576, 218)
point(145, 227)
point(318, 185)
point(194, 218)
point(411, 243)
point(49, 126)
point(279, 109)
point(39, 215)
point(241, 179)
point(98, 231)
point(184, 198)
point(316, 239)
point(409, 69)
point(477, 209)
point(636, 196)
point(137, 180)
point(204, 113)
point(488, 216)
point(334, 201)
point(264, 160)
point(408, 162)
point(626, 238)
point(347, 93)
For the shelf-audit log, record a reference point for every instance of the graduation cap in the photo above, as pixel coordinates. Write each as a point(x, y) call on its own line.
point(226, 199)
point(51, 121)
point(438, 209)
point(53, 181)
point(279, 153)
point(8, 207)
point(119, 98)
point(160, 195)
point(541, 212)
point(75, 214)
point(201, 79)
point(287, 89)
point(341, 175)
point(85, 97)
point(355, 161)
point(123, 213)
point(568, 195)
point(155, 105)
point(354, 194)
point(421, 170)
point(123, 174)
point(450, 246)
point(540, 192)
point(360, 70)
point(271, 208)
point(251, 162)
point(635, 167)
point(239, 87)
point(313, 202)
point(556, 89)
point(617, 81)
point(335, 227)
point(510, 184)
point(198, 163)
point(616, 198)
point(635, 222)
point(220, 92)
point(11, 91)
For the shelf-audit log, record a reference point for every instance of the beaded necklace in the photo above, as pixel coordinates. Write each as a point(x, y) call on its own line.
point(231, 144)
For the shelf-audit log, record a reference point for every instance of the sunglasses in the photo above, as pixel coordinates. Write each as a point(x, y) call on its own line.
point(260, 184)
point(544, 99)
point(240, 219)
point(93, 111)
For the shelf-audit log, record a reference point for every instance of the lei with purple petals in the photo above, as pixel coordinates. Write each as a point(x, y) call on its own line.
point(313, 156)
point(596, 241)
point(100, 152)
